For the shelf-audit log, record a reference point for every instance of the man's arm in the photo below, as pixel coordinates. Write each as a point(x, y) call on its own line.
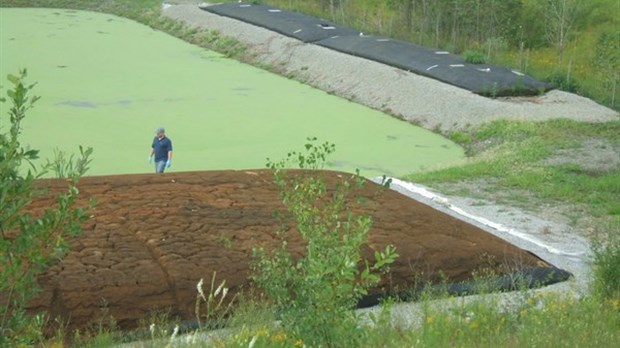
point(169, 161)
point(150, 160)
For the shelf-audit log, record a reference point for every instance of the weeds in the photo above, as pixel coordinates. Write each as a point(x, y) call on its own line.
point(216, 306)
point(537, 319)
point(563, 80)
point(515, 155)
point(474, 57)
point(607, 262)
point(315, 293)
point(29, 244)
point(64, 164)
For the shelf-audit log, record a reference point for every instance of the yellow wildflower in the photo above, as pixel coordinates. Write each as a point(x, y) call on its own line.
point(279, 336)
point(262, 332)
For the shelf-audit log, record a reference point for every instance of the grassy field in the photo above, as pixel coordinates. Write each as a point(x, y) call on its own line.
point(550, 161)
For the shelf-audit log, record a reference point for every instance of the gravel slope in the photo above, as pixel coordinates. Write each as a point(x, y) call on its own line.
point(424, 101)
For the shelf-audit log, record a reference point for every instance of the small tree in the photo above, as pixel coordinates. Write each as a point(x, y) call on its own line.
point(316, 293)
point(562, 18)
point(29, 244)
point(608, 61)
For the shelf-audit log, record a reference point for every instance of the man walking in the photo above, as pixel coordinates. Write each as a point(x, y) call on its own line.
point(161, 149)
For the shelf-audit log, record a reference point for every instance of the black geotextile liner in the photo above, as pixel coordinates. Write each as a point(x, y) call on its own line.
point(519, 280)
point(487, 80)
point(293, 24)
point(484, 79)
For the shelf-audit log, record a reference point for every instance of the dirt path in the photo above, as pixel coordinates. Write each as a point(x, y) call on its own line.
point(427, 102)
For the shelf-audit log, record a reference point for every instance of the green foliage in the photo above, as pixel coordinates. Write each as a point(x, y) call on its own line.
point(608, 60)
point(316, 292)
point(460, 138)
point(228, 46)
point(607, 262)
point(563, 80)
point(562, 18)
point(534, 320)
point(29, 243)
point(211, 39)
point(514, 155)
point(65, 164)
point(563, 36)
point(474, 57)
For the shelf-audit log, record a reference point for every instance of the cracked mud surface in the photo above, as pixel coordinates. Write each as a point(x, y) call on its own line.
point(152, 237)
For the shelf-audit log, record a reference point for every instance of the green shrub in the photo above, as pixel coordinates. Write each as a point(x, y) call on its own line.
point(315, 293)
point(64, 164)
point(29, 244)
point(460, 138)
point(563, 80)
point(607, 263)
point(474, 57)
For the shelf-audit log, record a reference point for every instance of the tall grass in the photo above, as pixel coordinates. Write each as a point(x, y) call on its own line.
point(535, 320)
point(607, 262)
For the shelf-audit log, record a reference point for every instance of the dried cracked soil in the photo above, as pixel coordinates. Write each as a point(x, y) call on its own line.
point(152, 237)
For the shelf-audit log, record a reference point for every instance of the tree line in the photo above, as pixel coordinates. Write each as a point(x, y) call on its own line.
point(490, 26)
point(462, 23)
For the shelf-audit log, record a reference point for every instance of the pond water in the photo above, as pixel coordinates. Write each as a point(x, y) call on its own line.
point(109, 82)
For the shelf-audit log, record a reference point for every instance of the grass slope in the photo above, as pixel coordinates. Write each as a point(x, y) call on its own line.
point(554, 161)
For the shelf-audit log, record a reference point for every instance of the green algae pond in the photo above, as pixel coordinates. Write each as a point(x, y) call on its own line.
point(108, 83)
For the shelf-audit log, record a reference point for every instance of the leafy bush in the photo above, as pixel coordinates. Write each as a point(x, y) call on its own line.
point(64, 164)
point(563, 80)
point(460, 137)
point(315, 293)
point(607, 264)
point(474, 57)
point(29, 244)
point(608, 62)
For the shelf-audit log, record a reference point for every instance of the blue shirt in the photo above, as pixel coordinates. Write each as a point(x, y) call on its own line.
point(162, 147)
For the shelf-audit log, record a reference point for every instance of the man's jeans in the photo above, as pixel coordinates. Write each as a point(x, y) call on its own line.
point(160, 166)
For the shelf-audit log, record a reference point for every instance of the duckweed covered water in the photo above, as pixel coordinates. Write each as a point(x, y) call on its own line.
point(108, 82)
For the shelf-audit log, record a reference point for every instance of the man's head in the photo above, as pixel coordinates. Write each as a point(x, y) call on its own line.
point(161, 132)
